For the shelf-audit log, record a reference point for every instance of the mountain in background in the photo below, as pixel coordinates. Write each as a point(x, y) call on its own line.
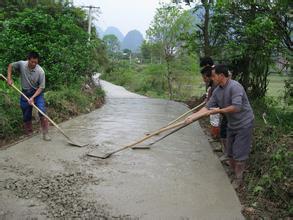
point(115, 31)
point(132, 41)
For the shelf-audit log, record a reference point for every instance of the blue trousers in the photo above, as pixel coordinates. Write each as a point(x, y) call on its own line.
point(27, 108)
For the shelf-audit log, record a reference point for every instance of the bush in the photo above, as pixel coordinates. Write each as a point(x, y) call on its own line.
point(58, 33)
point(61, 105)
point(72, 101)
point(10, 112)
point(269, 178)
point(288, 94)
point(150, 80)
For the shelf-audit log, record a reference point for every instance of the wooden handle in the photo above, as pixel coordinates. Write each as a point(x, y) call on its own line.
point(166, 135)
point(180, 117)
point(186, 113)
point(38, 109)
point(149, 136)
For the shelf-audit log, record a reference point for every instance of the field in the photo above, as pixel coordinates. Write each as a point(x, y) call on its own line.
point(276, 85)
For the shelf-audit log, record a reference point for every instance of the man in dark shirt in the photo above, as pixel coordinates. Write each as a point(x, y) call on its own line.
point(230, 99)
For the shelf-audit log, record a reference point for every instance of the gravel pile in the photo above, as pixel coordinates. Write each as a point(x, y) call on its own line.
point(62, 193)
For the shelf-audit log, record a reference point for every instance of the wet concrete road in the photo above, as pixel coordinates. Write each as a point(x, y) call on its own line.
point(178, 178)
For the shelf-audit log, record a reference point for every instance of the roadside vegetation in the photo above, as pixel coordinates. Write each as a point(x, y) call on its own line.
point(58, 32)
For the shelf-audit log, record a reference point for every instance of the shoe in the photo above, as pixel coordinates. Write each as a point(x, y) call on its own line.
point(224, 158)
point(237, 183)
point(28, 128)
point(217, 149)
point(46, 137)
point(239, 167)
point(45, 128)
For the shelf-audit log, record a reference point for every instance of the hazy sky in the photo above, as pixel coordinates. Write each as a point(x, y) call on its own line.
point(126, 15)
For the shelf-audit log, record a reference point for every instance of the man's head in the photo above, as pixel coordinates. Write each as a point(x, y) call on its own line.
point(206, 74)
point(206, 61)
point(33, 59)
point(220, 74)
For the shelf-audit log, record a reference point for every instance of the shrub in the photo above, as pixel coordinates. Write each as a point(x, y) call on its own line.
point(270, 172)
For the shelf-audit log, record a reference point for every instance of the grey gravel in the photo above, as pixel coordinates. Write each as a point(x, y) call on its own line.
point(62, 193)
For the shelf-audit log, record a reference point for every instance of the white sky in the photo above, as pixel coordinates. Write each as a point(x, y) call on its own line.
point(124, 14)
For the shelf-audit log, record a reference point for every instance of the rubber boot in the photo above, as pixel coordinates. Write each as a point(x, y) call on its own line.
point(239, 170)
point(28, 128)
point(215, 132)
point(45, 128)
point(232, 164)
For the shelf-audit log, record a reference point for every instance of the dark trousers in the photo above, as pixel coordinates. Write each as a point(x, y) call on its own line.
point(27, 108)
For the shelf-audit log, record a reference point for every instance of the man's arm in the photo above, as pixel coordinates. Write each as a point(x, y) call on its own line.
point(9, 75)
point(40, 89)
point(229, 109)
point(236, 99)
point(12, 66)
point(38, 92)
point(203, 112)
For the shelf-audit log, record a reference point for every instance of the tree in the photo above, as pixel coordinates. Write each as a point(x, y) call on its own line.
point(112, 43)
point(146, 51)
point(201, 34)
point(245, 34)
point(58, 33)
point(151, 52)
point(166, 29)
point(251, 39)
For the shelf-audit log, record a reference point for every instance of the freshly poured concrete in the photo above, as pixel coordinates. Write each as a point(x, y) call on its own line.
point(178, 178)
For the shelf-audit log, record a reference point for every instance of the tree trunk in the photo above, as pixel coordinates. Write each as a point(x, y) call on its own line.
point(207, 49)
point(169, 78)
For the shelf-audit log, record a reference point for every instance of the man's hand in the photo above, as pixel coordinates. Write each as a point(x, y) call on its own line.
point(203, 112)
point(213, 111)
point(188, 120)
point(31, 101)
point(9, 82)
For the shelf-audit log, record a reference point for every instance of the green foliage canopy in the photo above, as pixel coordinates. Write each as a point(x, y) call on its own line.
point(57, 32)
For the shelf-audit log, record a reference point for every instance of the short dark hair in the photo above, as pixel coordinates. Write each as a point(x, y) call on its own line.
point(207, 71)
point(33, 55)
point(222, 68)
point(206, 61)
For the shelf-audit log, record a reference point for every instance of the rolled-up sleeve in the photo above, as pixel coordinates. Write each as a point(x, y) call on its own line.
point(16, 66)
point(42, 80)
point(237, 96)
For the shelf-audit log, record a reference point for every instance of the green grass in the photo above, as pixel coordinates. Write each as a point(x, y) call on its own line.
point(276, 85)
point(62, 104)
point(150, 79)
point(191, 84)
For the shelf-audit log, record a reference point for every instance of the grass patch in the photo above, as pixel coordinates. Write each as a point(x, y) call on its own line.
point(62, 104)
point(68, 102)
point(150, 80)
point(269, 180)
point(276, 85)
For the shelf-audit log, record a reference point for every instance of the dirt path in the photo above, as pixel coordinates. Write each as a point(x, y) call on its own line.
point(179, 178)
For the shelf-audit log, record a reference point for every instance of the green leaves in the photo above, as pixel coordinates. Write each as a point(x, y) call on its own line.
point(167, 27)
point(57, 32)
point(166, 32)
point(112, 43)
